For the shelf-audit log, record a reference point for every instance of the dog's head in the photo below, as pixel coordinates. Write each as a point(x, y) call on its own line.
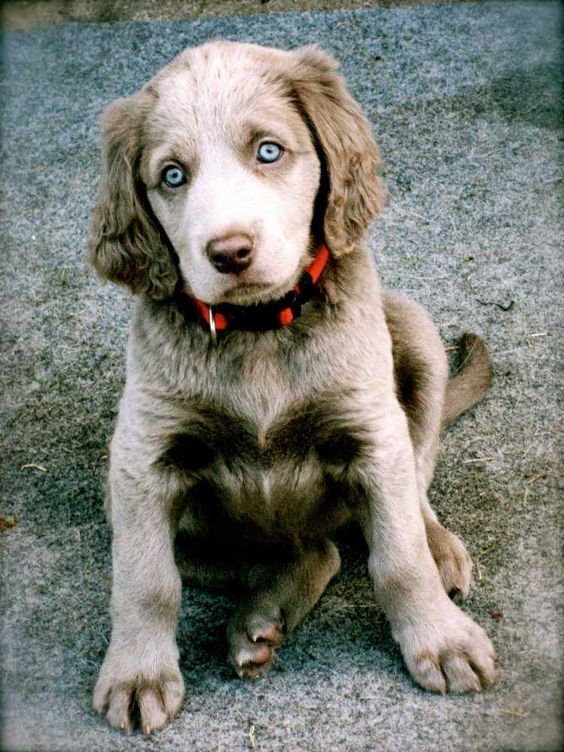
point(227, 169)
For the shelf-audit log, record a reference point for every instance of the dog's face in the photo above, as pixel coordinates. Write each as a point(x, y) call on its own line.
point(231, 175)
point(227, 169)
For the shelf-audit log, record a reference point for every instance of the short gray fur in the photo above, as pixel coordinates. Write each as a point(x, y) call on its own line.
point(465, 105)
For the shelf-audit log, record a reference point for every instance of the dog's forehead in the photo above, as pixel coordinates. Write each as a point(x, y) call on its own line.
point(214, 87)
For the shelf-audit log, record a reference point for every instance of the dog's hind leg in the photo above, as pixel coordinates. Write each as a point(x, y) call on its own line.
point(279, 598)
point(421, 371)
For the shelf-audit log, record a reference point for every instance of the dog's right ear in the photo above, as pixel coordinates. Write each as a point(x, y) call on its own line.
point(127, 244)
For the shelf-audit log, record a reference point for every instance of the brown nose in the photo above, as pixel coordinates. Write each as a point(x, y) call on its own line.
point(231, 254)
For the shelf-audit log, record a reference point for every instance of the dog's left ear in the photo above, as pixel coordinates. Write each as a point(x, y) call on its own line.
point(355, 192)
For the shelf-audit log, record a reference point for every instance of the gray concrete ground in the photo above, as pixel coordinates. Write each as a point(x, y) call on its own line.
point(465, 101)
point(26, 14)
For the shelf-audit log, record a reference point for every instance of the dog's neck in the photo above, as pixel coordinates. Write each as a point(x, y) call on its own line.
point(265, 316)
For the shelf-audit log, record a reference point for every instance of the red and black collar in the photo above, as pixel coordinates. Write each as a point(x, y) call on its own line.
point(265, 316)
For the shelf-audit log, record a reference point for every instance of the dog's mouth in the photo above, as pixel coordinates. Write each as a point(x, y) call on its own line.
point(250, 293)
point(251, 287)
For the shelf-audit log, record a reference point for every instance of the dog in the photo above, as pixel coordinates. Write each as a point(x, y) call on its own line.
point(274, 391)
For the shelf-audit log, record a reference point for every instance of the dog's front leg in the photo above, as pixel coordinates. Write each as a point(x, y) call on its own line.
point(140, 679)
point(442, 647)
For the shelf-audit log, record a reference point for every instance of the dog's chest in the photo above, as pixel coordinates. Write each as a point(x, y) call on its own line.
point(288, 479)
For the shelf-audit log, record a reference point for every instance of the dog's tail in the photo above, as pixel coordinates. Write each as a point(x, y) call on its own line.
point(472, 380)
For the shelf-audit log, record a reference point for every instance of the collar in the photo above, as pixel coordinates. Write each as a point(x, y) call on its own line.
point(263, 316)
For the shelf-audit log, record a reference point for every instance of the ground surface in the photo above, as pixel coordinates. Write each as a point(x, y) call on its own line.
point(26, 14)
point(465, 104)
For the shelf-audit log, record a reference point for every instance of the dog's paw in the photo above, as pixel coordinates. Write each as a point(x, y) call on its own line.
point(447, 652)
point(134, 693)
point(253, 637)
point(452, 559)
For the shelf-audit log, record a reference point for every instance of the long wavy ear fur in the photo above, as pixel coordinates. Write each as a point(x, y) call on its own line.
point(354, 192)
point(127, 245)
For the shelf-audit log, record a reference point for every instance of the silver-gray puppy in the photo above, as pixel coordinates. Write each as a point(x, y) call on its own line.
point(274, 392)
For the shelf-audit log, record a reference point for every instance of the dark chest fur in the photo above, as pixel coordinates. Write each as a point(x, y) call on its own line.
point(293, 480)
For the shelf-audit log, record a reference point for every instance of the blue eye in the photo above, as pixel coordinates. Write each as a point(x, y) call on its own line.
point(269, 152)
point(173, 176)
